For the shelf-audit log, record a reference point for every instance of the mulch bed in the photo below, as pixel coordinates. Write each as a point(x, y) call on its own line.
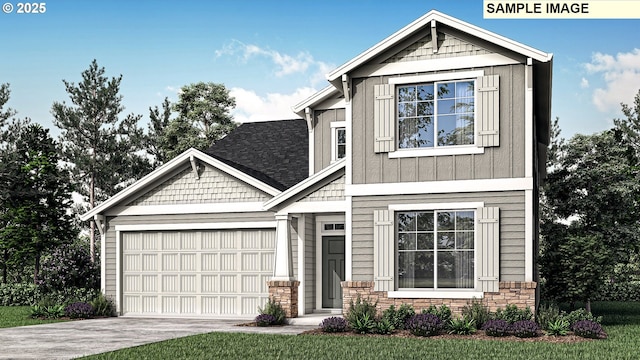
point(479, 335)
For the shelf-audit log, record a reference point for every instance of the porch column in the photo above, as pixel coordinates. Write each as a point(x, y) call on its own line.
point(283, 267)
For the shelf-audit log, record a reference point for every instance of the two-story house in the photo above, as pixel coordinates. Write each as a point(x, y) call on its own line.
point(412, 178)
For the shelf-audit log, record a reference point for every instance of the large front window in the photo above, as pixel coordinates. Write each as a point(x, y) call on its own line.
point(436, 114)
point(436, 249)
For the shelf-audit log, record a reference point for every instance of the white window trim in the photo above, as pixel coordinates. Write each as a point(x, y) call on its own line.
point(335, 125)
point(439, 150)
point(440, 293)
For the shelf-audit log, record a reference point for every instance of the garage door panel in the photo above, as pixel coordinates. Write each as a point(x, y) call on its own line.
point(214, 272)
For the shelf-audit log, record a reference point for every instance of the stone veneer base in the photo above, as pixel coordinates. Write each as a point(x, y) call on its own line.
point(519, 293)
point(286, 294)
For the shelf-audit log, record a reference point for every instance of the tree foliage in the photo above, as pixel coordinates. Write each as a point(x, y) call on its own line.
point(105, 152)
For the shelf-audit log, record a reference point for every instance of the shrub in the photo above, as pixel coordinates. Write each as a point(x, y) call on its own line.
point(424, 324)
point(548, 314)
point(384, 327)
point(79, 310)
point(103, 306)
point(496, 327)
point(398, 317)
point(19, 294)
point(69, 266)
point(70, 295)
point(275, 309)
point(524, 329)
point(38, 311)
point(581, 314)
point(476, 311)
point(589, 329)
point(462, 326)
point(512, 314)
point(265, 320)
point(443, 312)
point(560, 327)
point(334, 324)
point(54, 311)
point(361, 315)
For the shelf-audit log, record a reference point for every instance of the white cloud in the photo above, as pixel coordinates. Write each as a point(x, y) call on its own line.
point(621, 75)
point(251, 107)
point(584, 83)
point(286, 64)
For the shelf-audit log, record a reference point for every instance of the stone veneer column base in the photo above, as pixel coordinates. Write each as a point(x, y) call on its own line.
point(286, 294)
point(519, 293)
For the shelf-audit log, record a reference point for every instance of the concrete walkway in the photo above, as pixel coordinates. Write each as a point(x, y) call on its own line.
point(72, 339)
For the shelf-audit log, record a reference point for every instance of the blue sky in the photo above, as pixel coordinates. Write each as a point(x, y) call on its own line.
point(272, 54)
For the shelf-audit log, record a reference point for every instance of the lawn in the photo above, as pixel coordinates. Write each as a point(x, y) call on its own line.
point(621, 321)
point(11, 316)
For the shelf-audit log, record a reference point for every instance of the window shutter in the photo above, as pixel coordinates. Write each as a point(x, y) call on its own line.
point(383, 250)
point(383, 118)
point(488, 251)
point(488, 111)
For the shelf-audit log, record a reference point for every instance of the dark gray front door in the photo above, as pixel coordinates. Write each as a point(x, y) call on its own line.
point(332, 271)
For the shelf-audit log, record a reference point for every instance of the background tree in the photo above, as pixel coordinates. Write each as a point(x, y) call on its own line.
point(105, 152)
point(5, 161)
point(590, 211)
point(158, 123)
point(35, 196)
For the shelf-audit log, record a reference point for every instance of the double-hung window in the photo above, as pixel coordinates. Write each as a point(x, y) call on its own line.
point(436, 249)
point(436, 114)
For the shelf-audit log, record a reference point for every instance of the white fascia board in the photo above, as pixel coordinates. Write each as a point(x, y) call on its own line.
point(443, 64)
point(440, 187)
point(235, 207)
point(425, 21)
point(304, 207)
point(171, 166)
point(199, 226)
point(305, 184)
point(314, 99)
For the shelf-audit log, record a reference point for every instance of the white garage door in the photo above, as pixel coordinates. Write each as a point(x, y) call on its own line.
point(186, 273)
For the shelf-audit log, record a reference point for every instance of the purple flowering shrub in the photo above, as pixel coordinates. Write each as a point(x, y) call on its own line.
point(524, 329)
point(265, 320)
point(67, 269)
point(496, 327)
point(589, 329)
point(424, 325)
point(334, 324)
point(79, 310)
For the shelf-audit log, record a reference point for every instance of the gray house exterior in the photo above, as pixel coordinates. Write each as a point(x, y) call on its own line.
point(412, 178)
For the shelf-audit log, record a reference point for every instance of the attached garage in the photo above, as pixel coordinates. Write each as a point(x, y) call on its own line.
point(196, 273)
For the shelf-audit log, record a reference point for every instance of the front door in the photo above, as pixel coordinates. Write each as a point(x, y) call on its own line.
point(332, 271)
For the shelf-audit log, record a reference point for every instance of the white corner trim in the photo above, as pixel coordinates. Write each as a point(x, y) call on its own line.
point(440, 187)
point(348, 240)
point(103, 263)
point(118, 273)
point(435, 294)
point(436, 206)
point(232, 207)
point(528, 121)
point(301, 263)
point(304, 207)
point(436, 151)
point(437, 77)
point(304, 184)
point(169, 167)
point(312, 140)
point(528, 235)
point(442, 64)
point(199, 226)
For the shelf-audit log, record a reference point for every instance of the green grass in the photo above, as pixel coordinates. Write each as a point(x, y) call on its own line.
point(621, 320)
point(11, 316)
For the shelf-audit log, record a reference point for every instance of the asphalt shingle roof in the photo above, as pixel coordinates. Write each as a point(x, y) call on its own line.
point(274, 152)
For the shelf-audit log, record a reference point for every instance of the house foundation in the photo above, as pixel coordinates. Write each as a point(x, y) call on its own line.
point(519, 293)
point(286, 294)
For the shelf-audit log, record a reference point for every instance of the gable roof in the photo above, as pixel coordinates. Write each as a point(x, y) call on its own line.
point(274, 152)
point(424, 21)
point(169, 167)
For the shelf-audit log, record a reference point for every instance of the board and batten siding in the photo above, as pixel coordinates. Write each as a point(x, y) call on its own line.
point(212, 186)
point(322, 135)
point(112, 222)
point(504, 161)
point(512, 228)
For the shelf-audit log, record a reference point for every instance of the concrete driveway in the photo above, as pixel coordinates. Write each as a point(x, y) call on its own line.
point(72, 339)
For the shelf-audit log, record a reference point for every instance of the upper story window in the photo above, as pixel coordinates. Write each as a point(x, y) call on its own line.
point(436, 114)
point(338, 140)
